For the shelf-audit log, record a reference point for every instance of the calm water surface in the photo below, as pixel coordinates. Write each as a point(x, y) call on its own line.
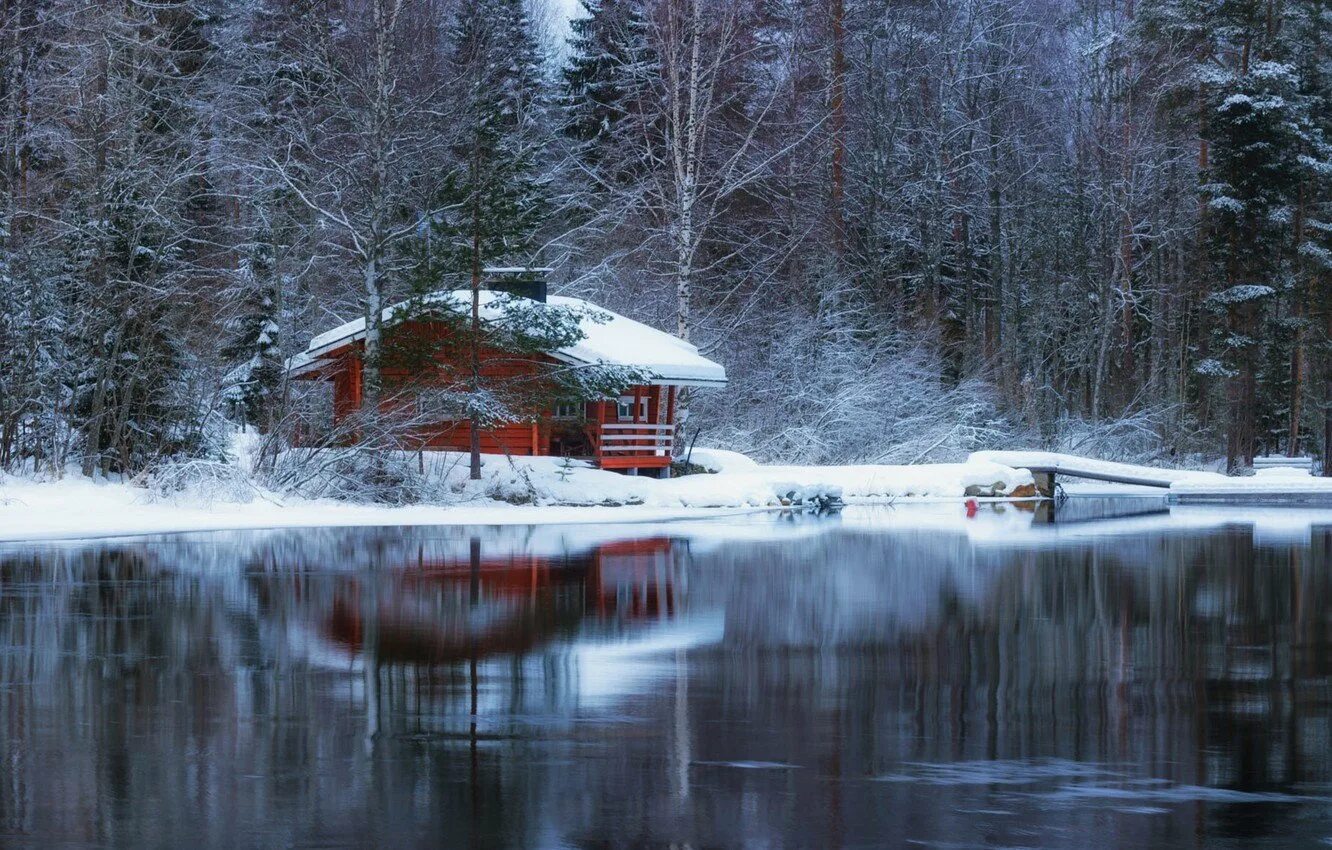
point(1123, 677)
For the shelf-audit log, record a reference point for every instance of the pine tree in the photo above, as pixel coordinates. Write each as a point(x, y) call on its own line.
point(498, 196)
point(132, 247)
point(1250, 188)
point(1311, 54)
point(253, 385)
point(607, 76)
point(502, 143)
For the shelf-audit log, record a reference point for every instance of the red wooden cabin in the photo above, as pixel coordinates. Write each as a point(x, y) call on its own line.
point(631, 432)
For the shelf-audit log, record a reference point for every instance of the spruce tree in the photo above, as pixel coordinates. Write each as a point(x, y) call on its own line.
point(607, 75)
point(498, 195)
point(253, 384)
point(1250, 192)
point(1311, 54)
point(133, 241)
point(1224, 71)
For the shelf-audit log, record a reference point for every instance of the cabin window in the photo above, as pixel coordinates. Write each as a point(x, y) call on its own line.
point(625, 409)
point(569, 410)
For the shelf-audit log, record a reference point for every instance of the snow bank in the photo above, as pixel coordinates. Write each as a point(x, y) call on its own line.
point(740, 482)
point(512, 491)
point(721, 460)
point(1277, 479)
point(78, 507)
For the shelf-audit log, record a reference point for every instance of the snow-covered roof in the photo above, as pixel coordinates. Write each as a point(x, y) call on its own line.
point(617, 341)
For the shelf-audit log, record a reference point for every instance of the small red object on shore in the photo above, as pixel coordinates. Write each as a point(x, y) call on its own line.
point(973, 507)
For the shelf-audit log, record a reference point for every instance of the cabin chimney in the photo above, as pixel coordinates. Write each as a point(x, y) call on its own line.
point(524, 282)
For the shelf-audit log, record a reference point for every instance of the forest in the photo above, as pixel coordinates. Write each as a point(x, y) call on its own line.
point(907, 228)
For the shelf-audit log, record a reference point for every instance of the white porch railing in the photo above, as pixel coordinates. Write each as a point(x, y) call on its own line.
point(636, 438)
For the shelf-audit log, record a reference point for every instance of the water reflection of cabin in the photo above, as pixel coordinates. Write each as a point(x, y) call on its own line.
point(631, 432)
point(630, 579)
point(525, 600)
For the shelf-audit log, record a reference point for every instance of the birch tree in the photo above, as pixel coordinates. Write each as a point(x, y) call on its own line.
point(368, 149)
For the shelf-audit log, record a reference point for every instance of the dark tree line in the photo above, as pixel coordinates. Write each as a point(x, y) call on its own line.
point(908, 228)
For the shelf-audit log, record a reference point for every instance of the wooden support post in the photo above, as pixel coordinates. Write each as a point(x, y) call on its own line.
point(1045, 483)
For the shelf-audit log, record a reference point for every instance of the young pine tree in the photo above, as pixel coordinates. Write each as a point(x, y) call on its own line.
point(253, 384)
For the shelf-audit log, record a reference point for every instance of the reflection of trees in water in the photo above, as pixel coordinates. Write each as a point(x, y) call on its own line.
point(151, 682)
point(1199, 655)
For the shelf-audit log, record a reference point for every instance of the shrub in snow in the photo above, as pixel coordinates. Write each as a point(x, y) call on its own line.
point(356, 475)
point(513, 485)
point(198, 482)
point(1150, 436)
point(849, 396)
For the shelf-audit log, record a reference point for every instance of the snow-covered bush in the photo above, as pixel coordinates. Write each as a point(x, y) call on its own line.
point(365, 475)
point(1151, 436)
point(827, 391)
point(198, 482)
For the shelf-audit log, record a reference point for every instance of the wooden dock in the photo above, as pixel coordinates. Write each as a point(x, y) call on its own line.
point(1046, 466)
point(1185, 486)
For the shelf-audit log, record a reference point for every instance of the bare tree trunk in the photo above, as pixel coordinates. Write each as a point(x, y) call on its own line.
point(1297, 351)
point(994, 303)
point(385, 18)
point(683, 284)
point(1327, 397)
point(1296, 394)
point(838, 110)
point(474, 351)
point(372, 379)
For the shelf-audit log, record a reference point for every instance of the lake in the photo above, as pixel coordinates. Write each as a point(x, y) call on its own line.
point(1115, 675)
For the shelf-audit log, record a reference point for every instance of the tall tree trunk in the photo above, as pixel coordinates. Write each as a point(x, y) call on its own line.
point(687, 151)
point(372, 378)
point(994, 302)
point(1297, 350)
point(1327, 395)
point(838, 116)
point(385, 18)
point(474, 349)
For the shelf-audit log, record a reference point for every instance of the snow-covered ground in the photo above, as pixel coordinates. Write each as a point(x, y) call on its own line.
point(512, 491)
point(523, 491)
point(77, 507)
point(1277, 479)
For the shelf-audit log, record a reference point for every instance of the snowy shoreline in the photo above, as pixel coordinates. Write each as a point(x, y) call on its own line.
point(549, 491)
point(44, 512)
point(517, 491)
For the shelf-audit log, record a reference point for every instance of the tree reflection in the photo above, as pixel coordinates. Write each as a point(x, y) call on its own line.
point(500, 689)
